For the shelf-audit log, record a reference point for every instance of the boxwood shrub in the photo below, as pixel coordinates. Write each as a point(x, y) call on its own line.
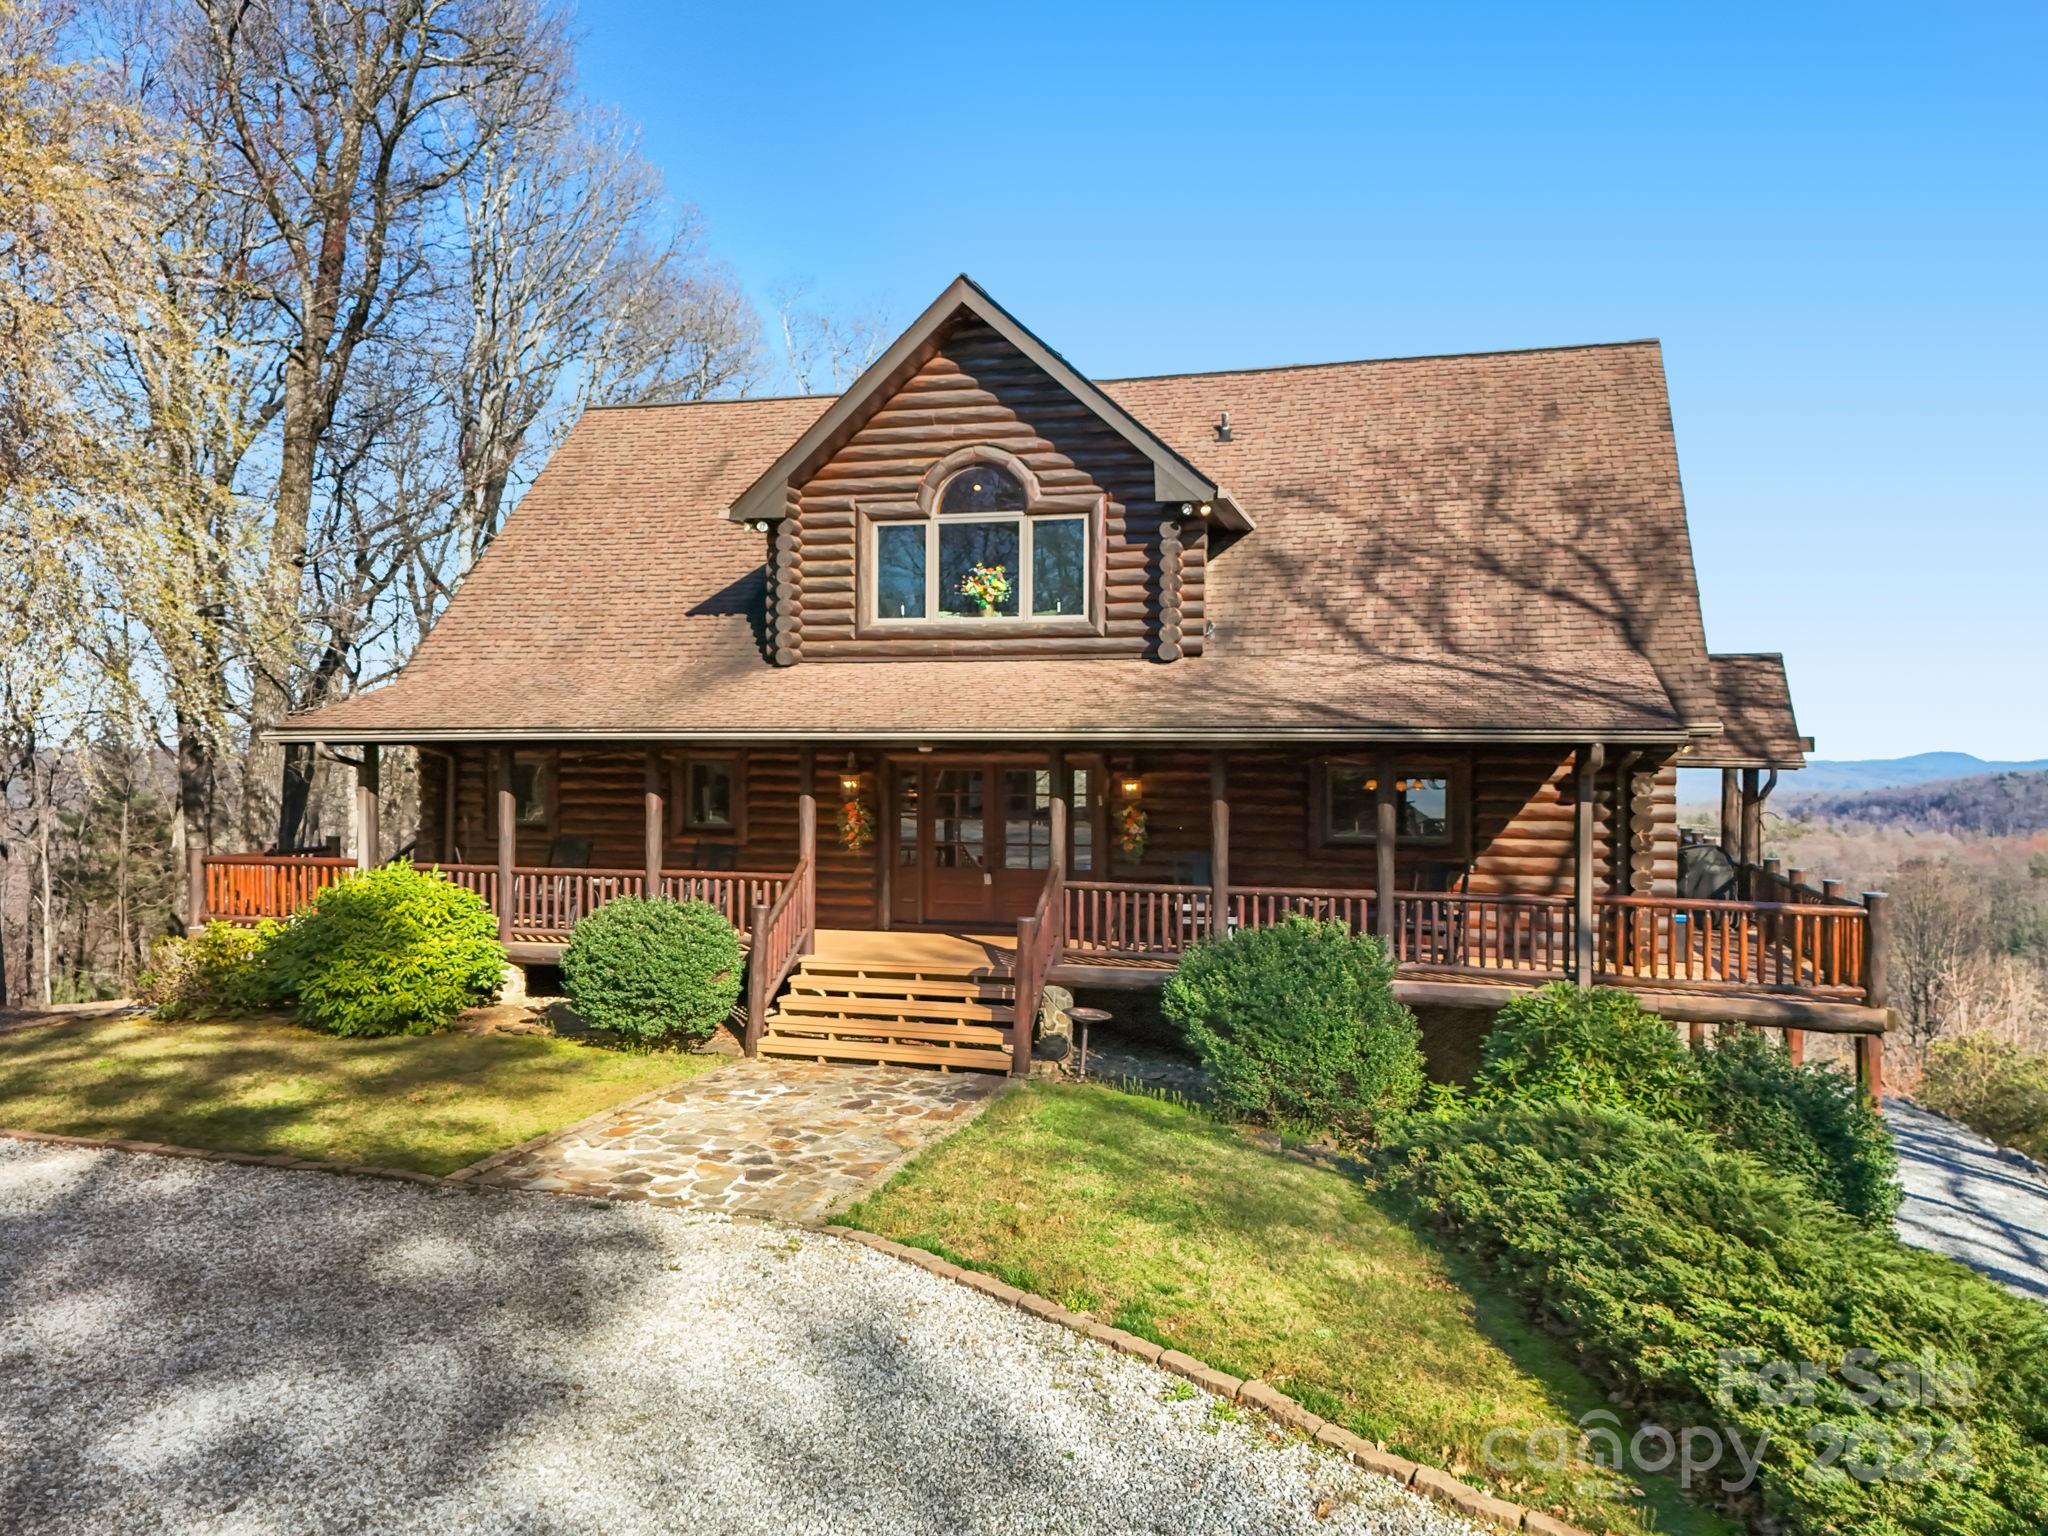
point(1893, 1391)
point(653, 970)
point(1298, 1022)
point(389, 951)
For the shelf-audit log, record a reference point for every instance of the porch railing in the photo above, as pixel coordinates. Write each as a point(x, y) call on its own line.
point(1105, 920)
point(248, 887)
point(545, 902)
point(1816, 949)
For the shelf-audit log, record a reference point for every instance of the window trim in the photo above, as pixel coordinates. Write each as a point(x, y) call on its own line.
point(1457, 815)
point(545, 782)
point(871, 517)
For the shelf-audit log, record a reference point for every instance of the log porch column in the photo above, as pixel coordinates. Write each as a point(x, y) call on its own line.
point(1059, 805)
point(655, 805)
point(508, 841)
point(1583, 873)
point(1386, 829)
point(1876, 994)
point(367, 839)
point(807, 824)
point(1731, 813)
point(1219, 844)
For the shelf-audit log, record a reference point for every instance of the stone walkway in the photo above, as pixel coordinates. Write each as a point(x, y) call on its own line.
point(795, 1141)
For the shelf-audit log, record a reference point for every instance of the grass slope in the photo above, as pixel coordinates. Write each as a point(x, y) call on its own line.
point(1155, 1218)
point(433, 1103)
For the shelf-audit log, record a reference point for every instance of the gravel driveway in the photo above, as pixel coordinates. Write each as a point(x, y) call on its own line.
point(1971, 1199)
point(190, 1346)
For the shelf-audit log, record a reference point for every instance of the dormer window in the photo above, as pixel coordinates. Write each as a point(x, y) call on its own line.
point(979, 553)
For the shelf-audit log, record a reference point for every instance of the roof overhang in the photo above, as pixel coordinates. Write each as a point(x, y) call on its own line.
point(1174, 479)
point(1259, 736)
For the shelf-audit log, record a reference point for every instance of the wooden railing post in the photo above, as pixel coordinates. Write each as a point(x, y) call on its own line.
point(368, 850)
point(757, 979)
point(654, 805)
point(1583, 945)
point(1219, 844)
point(508, 841)
point(1024, 1008)
point(1386, 828)
point(1876, 994)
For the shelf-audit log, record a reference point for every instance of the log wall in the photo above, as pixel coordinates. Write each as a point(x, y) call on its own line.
point(1519, 813)
point(974, 388)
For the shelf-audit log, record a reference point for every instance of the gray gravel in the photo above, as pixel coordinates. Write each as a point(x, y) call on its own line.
point(1970, 1198)
point(191, 1346)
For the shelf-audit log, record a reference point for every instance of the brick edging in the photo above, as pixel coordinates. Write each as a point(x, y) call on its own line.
point(246, 1159)
point(1431, 1482)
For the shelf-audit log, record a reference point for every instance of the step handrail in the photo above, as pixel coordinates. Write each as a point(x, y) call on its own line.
point(1040, 938)
point(782, 934)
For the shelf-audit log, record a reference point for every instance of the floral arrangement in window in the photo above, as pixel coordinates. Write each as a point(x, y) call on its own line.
point(1132, 832)
point(856, 823)
point(988, 585)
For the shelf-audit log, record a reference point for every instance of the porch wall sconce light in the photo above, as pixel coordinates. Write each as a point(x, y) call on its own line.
point(849, 777)
point(1132, 786)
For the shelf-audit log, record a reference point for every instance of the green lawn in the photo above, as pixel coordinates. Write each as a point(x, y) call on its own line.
point(430, 1102)
point(1156, 1219)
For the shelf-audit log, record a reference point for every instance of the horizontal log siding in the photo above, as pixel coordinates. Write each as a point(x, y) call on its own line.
point(1521, 818)
point(974, 389)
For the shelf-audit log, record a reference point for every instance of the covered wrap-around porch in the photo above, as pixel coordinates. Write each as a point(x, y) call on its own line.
point(1792, 955)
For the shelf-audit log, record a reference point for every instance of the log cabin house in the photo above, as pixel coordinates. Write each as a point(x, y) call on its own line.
point(984, 674)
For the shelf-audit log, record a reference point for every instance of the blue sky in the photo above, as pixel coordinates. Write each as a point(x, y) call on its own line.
point(1833, 218)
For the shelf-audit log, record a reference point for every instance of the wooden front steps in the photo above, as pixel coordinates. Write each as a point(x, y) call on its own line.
point(922, 1013)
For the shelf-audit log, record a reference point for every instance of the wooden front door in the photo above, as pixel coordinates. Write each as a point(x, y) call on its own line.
point(970, 842)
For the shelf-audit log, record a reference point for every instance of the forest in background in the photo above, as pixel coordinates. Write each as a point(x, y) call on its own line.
point(295, 297)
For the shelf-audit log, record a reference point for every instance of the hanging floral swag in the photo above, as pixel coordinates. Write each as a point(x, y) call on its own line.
point(856, 824)
point(1132, 831)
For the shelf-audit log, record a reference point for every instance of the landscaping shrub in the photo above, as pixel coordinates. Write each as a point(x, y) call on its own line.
point(389, 951)
point(1897, 1391)
point(1809, 1121)
point(653, 970)
point(1593, 1045)
point(1298, 1022)
point(1995, 1087)
point(219, 970)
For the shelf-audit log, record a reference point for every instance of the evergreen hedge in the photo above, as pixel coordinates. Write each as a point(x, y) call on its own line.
point(654, 970)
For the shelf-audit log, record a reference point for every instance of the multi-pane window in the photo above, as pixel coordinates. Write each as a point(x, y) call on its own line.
point(1027, 818)
point(1422, 805)
point(981, 556)
point(707, 795)
point(530, 790)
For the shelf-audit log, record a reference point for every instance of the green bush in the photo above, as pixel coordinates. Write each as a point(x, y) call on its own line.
point(389, 951)
point(1589, 1045)
point(219, 970)
point(1298, 1022)
point(1809, 1121)
point(2000, 1090)
point(1707, 1290)
point(653, 970)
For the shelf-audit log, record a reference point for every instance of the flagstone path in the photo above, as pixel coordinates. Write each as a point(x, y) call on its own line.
point(794, 1141)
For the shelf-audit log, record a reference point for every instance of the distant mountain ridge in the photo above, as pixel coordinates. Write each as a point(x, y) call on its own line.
point(1985, 804)
point(1834, 776)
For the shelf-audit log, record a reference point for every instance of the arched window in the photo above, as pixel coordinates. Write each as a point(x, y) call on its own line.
point(981, 556)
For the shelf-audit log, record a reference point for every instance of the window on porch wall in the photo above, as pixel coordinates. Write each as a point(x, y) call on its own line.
point(1027, 820)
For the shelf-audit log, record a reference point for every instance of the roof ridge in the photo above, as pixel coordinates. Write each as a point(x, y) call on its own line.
point(1200, 373)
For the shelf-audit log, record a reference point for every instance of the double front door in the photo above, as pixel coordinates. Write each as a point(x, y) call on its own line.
point(971, 841)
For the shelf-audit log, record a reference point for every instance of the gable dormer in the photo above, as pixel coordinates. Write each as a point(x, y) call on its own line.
point(973, 495)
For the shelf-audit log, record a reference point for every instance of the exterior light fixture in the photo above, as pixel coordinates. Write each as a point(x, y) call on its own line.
point(1207, 510)
point(1131, 786)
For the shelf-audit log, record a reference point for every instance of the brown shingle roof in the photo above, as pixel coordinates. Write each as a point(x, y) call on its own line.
point(1477, 545)
point(1758, 727)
